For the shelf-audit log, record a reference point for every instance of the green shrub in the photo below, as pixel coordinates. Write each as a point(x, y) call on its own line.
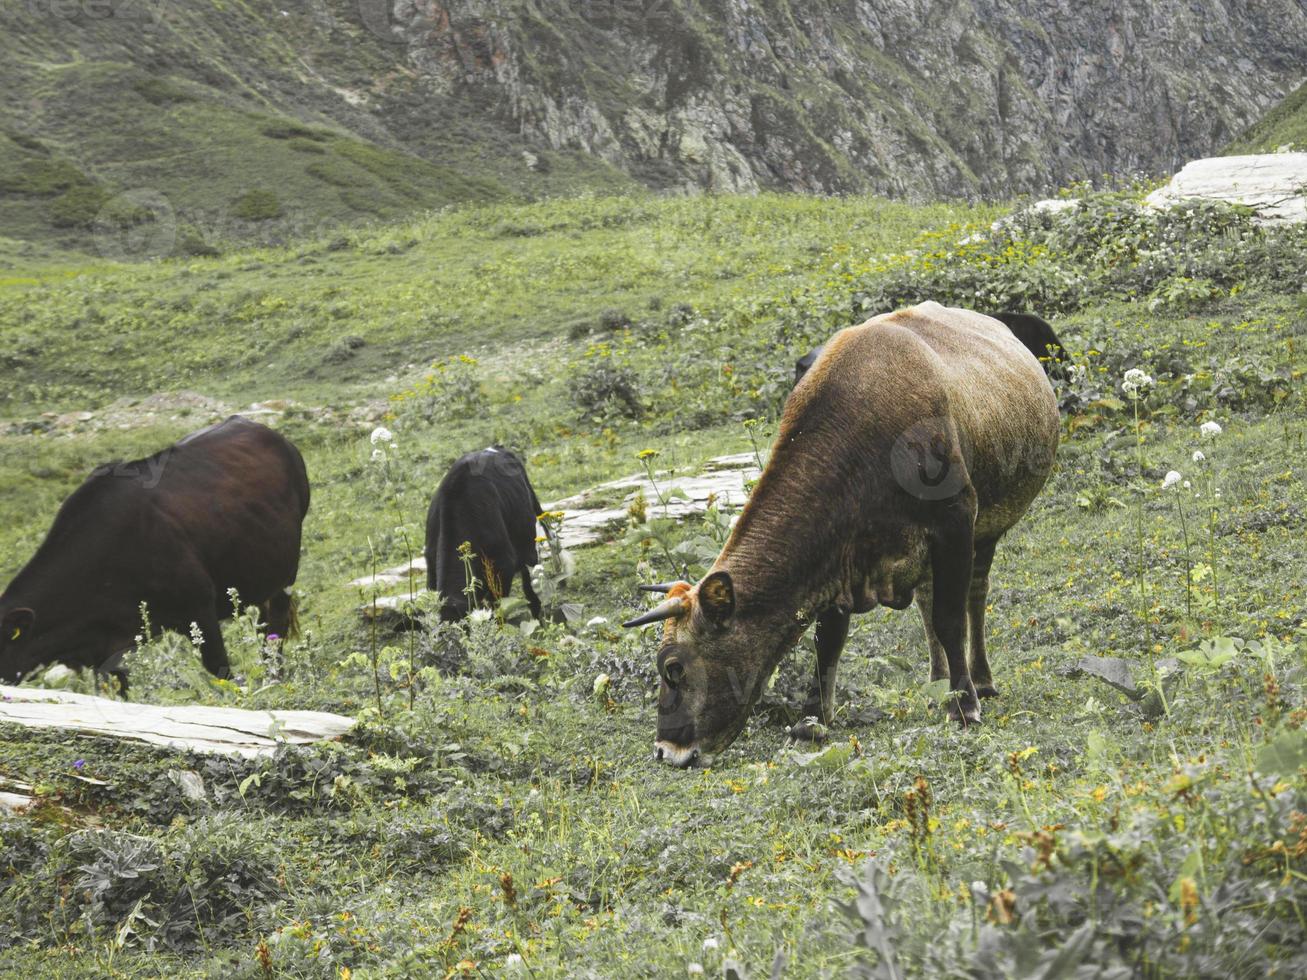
point(607, 388)
point(78, 206)
point(161, 91)
point(451, 389)
point(40, 176)
point(256, 205)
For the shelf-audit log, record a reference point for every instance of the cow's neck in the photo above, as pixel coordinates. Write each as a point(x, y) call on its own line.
point(789, 546)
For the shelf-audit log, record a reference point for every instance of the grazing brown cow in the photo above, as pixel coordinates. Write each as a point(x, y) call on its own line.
point(914, 442)
point(219, 510)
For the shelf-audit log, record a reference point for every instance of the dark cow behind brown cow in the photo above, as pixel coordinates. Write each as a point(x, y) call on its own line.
point(914, 443)
point(487, 502)
point(219, 510)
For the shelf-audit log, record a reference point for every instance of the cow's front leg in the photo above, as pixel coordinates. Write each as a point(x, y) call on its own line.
point(832, 631)
point(213, 651)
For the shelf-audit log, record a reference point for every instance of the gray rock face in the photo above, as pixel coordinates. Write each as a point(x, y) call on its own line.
point(906, 97)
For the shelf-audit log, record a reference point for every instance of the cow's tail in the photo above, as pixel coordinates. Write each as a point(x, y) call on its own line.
point(555, 545)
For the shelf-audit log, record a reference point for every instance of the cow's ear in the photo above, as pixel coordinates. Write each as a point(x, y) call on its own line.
point(17, 624)
point(717, 596)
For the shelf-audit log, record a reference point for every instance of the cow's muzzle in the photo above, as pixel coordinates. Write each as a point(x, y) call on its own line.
point(683, 757)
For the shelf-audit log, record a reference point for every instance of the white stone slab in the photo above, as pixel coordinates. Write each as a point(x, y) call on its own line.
point(1275, 184)
point(199, 728)
point(14, 802)
point(586, 519)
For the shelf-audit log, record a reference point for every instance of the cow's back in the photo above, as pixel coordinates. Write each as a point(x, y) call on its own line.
point(236, 493)
point(930, 360)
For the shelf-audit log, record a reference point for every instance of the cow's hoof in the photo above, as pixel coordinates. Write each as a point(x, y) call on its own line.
point(987, 691)
point(965, 711)
point(810, 729)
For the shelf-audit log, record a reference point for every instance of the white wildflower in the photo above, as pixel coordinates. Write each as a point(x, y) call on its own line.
point(381, 434)
point(1210, 429)
point(513, 961)
point(1136, 381)
point(710, 943)
point(1199, 456)
point(480, 615)
point(1171, 479)
point(1188, 485)
point(695, 969)
point(378, 455)
point(597, 621)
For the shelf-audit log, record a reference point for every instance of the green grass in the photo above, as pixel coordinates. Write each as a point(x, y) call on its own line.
point(262, 324)
point(1286, 124)
point(510, 790)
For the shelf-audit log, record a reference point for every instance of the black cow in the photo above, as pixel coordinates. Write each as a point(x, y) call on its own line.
point(1034, 332)
point(220, 510)
point(487, 501)
point(1037, 336)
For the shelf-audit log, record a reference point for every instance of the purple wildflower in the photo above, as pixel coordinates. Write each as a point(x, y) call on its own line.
point(80, 763)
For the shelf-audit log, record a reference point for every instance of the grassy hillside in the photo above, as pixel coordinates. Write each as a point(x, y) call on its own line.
point(260, 121)
point(217, 118)
point(1286, 124)
point(331, 312)
point(498, 811)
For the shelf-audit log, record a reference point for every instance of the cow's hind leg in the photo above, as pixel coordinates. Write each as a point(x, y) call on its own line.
point(113, 670)
point(279, 615)
point(938, 659)
point(532, 599)
point(832, 631)
point(951, 552)
point(977, 597)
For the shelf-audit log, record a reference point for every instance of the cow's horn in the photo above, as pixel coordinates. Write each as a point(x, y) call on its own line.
point(663, 587)
point(667, 609)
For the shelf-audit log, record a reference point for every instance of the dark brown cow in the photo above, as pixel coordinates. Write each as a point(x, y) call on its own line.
point(913, 444)
point(219, 510)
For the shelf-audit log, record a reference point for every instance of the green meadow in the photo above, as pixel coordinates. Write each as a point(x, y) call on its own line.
point(496, 812)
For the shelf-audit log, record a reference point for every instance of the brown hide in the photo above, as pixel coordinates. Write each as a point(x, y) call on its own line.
point(918, 431)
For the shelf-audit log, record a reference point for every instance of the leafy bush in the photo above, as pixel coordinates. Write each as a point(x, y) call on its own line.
point(78, 206)
point(256, 205)
point(451, 389)
point(606, 387)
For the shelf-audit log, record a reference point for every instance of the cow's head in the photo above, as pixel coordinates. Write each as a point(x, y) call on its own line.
point(18, 651)
point(711, 667)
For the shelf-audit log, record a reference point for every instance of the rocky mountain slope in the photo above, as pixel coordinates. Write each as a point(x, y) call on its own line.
point(1285, 125)
point(255, 115)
